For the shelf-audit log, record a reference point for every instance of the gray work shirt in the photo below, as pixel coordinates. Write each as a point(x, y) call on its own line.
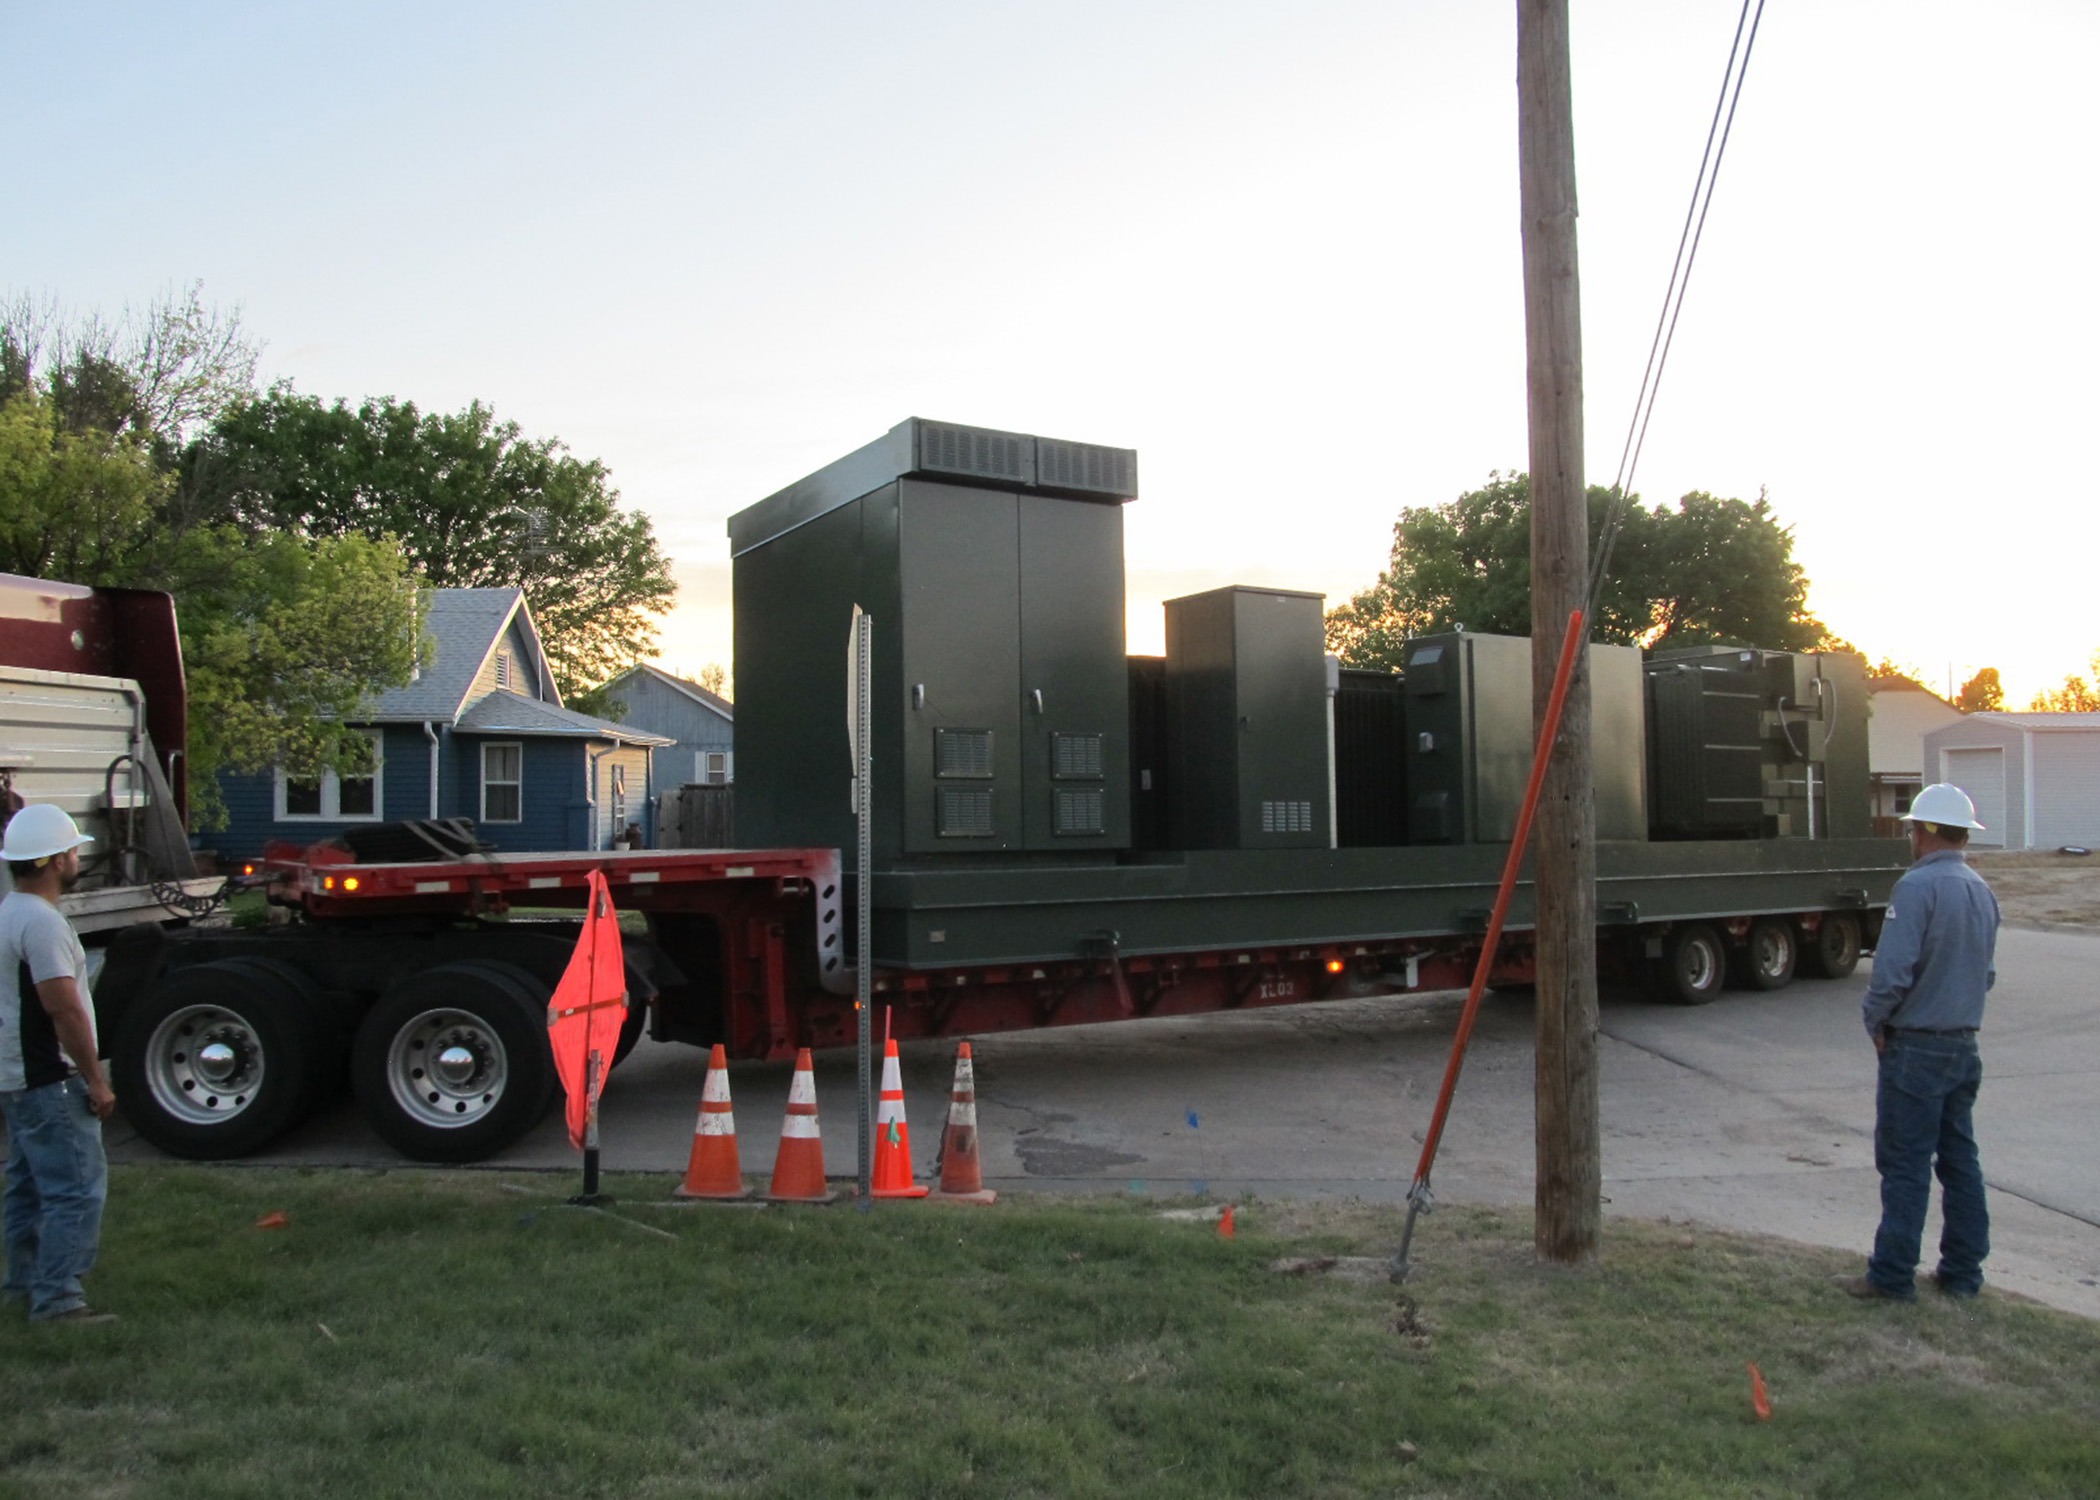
point(1934, 961)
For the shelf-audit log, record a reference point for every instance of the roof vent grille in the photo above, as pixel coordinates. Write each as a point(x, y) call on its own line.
point(1085, 466)
point(974, 451)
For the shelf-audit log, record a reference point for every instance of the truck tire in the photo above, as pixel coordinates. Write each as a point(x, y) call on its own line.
point(1832, 952)
point(1693, 965)
point(1769, 955)
point(216, 1060)
point(452, 1063)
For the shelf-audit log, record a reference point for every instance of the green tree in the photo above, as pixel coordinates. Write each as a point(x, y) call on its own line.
point(474, 503)
point(74, 505)
point(2075, 696)
point(1982, 693)
point(285, 637)
point(156, 375)
point(1711, 571)
point(285, 641)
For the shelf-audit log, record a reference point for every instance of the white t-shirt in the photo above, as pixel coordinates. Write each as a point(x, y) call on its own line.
point(33, 935)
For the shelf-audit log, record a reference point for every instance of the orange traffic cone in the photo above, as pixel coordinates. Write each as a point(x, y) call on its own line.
point(798, 1172)
point(714, 1170)
point(1225, 1229)
point(962, 1178)
point(893, 1136)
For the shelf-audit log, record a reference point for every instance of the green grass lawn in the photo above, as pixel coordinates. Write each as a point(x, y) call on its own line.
point(466, 1333)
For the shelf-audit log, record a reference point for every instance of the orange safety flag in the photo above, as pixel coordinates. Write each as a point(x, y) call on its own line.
point(1760, 1402)
point(588, 1009)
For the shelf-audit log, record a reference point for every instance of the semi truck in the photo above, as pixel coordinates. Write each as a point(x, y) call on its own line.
point(1060, 832)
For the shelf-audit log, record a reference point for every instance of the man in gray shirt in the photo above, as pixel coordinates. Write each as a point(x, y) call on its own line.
point(1932, 967)
point(53, 1092)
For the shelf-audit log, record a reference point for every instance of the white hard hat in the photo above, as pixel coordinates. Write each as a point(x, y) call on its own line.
point(39, 831)
point(1945, 804)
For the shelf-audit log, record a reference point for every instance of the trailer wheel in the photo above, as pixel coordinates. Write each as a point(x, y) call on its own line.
point(1693, 965)
point(1833, 951)
point(217, 1059)
point(1769, 955)
point(452, 1063)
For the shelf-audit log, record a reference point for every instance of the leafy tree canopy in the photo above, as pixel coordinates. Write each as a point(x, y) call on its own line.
point(1711, 571)
point(473, 502)
point(2076, 695)
point(156, 375)
point(285, 636)
point(1982, 693)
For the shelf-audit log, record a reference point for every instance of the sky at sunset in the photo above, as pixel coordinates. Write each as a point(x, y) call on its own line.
point(1274, 248)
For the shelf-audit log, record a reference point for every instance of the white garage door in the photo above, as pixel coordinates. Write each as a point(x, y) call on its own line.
point(1981, 773)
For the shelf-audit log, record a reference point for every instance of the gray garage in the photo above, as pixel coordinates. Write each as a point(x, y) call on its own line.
point(2035, 777)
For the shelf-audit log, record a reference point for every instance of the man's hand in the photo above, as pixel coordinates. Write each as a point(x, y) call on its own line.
point(102, 1099)
point(1881, 1040)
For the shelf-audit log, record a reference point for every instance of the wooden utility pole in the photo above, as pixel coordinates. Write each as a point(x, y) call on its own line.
point(1570, 1173)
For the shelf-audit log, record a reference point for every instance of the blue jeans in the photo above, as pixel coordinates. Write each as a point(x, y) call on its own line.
point(57, 1182)
point(1922, 1125)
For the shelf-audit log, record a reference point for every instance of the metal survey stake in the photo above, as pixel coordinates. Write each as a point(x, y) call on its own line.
point(860, 731)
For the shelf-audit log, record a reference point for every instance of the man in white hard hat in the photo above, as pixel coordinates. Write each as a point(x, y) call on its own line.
point(53, 1091)
point(1932, 967)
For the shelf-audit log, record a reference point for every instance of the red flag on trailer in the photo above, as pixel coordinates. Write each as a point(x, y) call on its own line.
point(587, 1010)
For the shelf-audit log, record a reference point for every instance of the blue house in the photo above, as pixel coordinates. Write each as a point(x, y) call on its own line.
point(480, 733)
point(701, 726)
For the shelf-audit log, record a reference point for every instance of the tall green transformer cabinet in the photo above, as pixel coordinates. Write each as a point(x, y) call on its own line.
point(992, 563)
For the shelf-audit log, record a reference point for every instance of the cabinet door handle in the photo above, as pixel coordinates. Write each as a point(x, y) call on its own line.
point(918, 695)
point(1038, 696)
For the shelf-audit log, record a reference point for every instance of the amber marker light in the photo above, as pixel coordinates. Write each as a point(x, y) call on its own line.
point(350, 882)
point(1335, 966)
point(327, 882)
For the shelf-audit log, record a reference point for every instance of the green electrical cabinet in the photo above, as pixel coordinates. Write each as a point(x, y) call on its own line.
point(1247, 710)
point(993, 566)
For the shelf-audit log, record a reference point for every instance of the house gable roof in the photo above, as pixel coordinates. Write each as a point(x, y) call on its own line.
point(700, 695)
point(504, 712)
point(465, 627)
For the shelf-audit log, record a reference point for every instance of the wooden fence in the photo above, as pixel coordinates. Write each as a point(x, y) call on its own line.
point(695, 817)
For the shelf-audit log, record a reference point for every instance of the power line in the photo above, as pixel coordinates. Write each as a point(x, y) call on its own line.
point(1717, 132)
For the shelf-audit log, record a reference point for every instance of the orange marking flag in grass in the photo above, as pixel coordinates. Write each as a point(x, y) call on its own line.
point(588, 1009)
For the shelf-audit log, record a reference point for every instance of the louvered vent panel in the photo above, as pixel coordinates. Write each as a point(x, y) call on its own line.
point(1286, 817)
point(1081, 810)
point(1085, 466)
point(1075, 757)
point(962, 753)
point(965, 812)
point(974, 451)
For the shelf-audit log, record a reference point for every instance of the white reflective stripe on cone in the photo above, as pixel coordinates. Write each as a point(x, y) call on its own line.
point(717, 1122)
point(963, 1112)
point(716, 1089)
point(803, 1090)
point(799, 1128)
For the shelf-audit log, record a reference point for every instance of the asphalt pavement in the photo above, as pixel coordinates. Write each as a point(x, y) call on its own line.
point(1753, 1113)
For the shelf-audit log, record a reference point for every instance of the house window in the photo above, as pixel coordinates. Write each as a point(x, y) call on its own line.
point(503, 782)
point(713, 767)
point(332, 796)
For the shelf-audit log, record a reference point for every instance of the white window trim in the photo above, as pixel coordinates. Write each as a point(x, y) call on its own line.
point(332, 791)
point(486, 747)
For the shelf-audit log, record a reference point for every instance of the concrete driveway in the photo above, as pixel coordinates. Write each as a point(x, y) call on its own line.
point(1754, 1113)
